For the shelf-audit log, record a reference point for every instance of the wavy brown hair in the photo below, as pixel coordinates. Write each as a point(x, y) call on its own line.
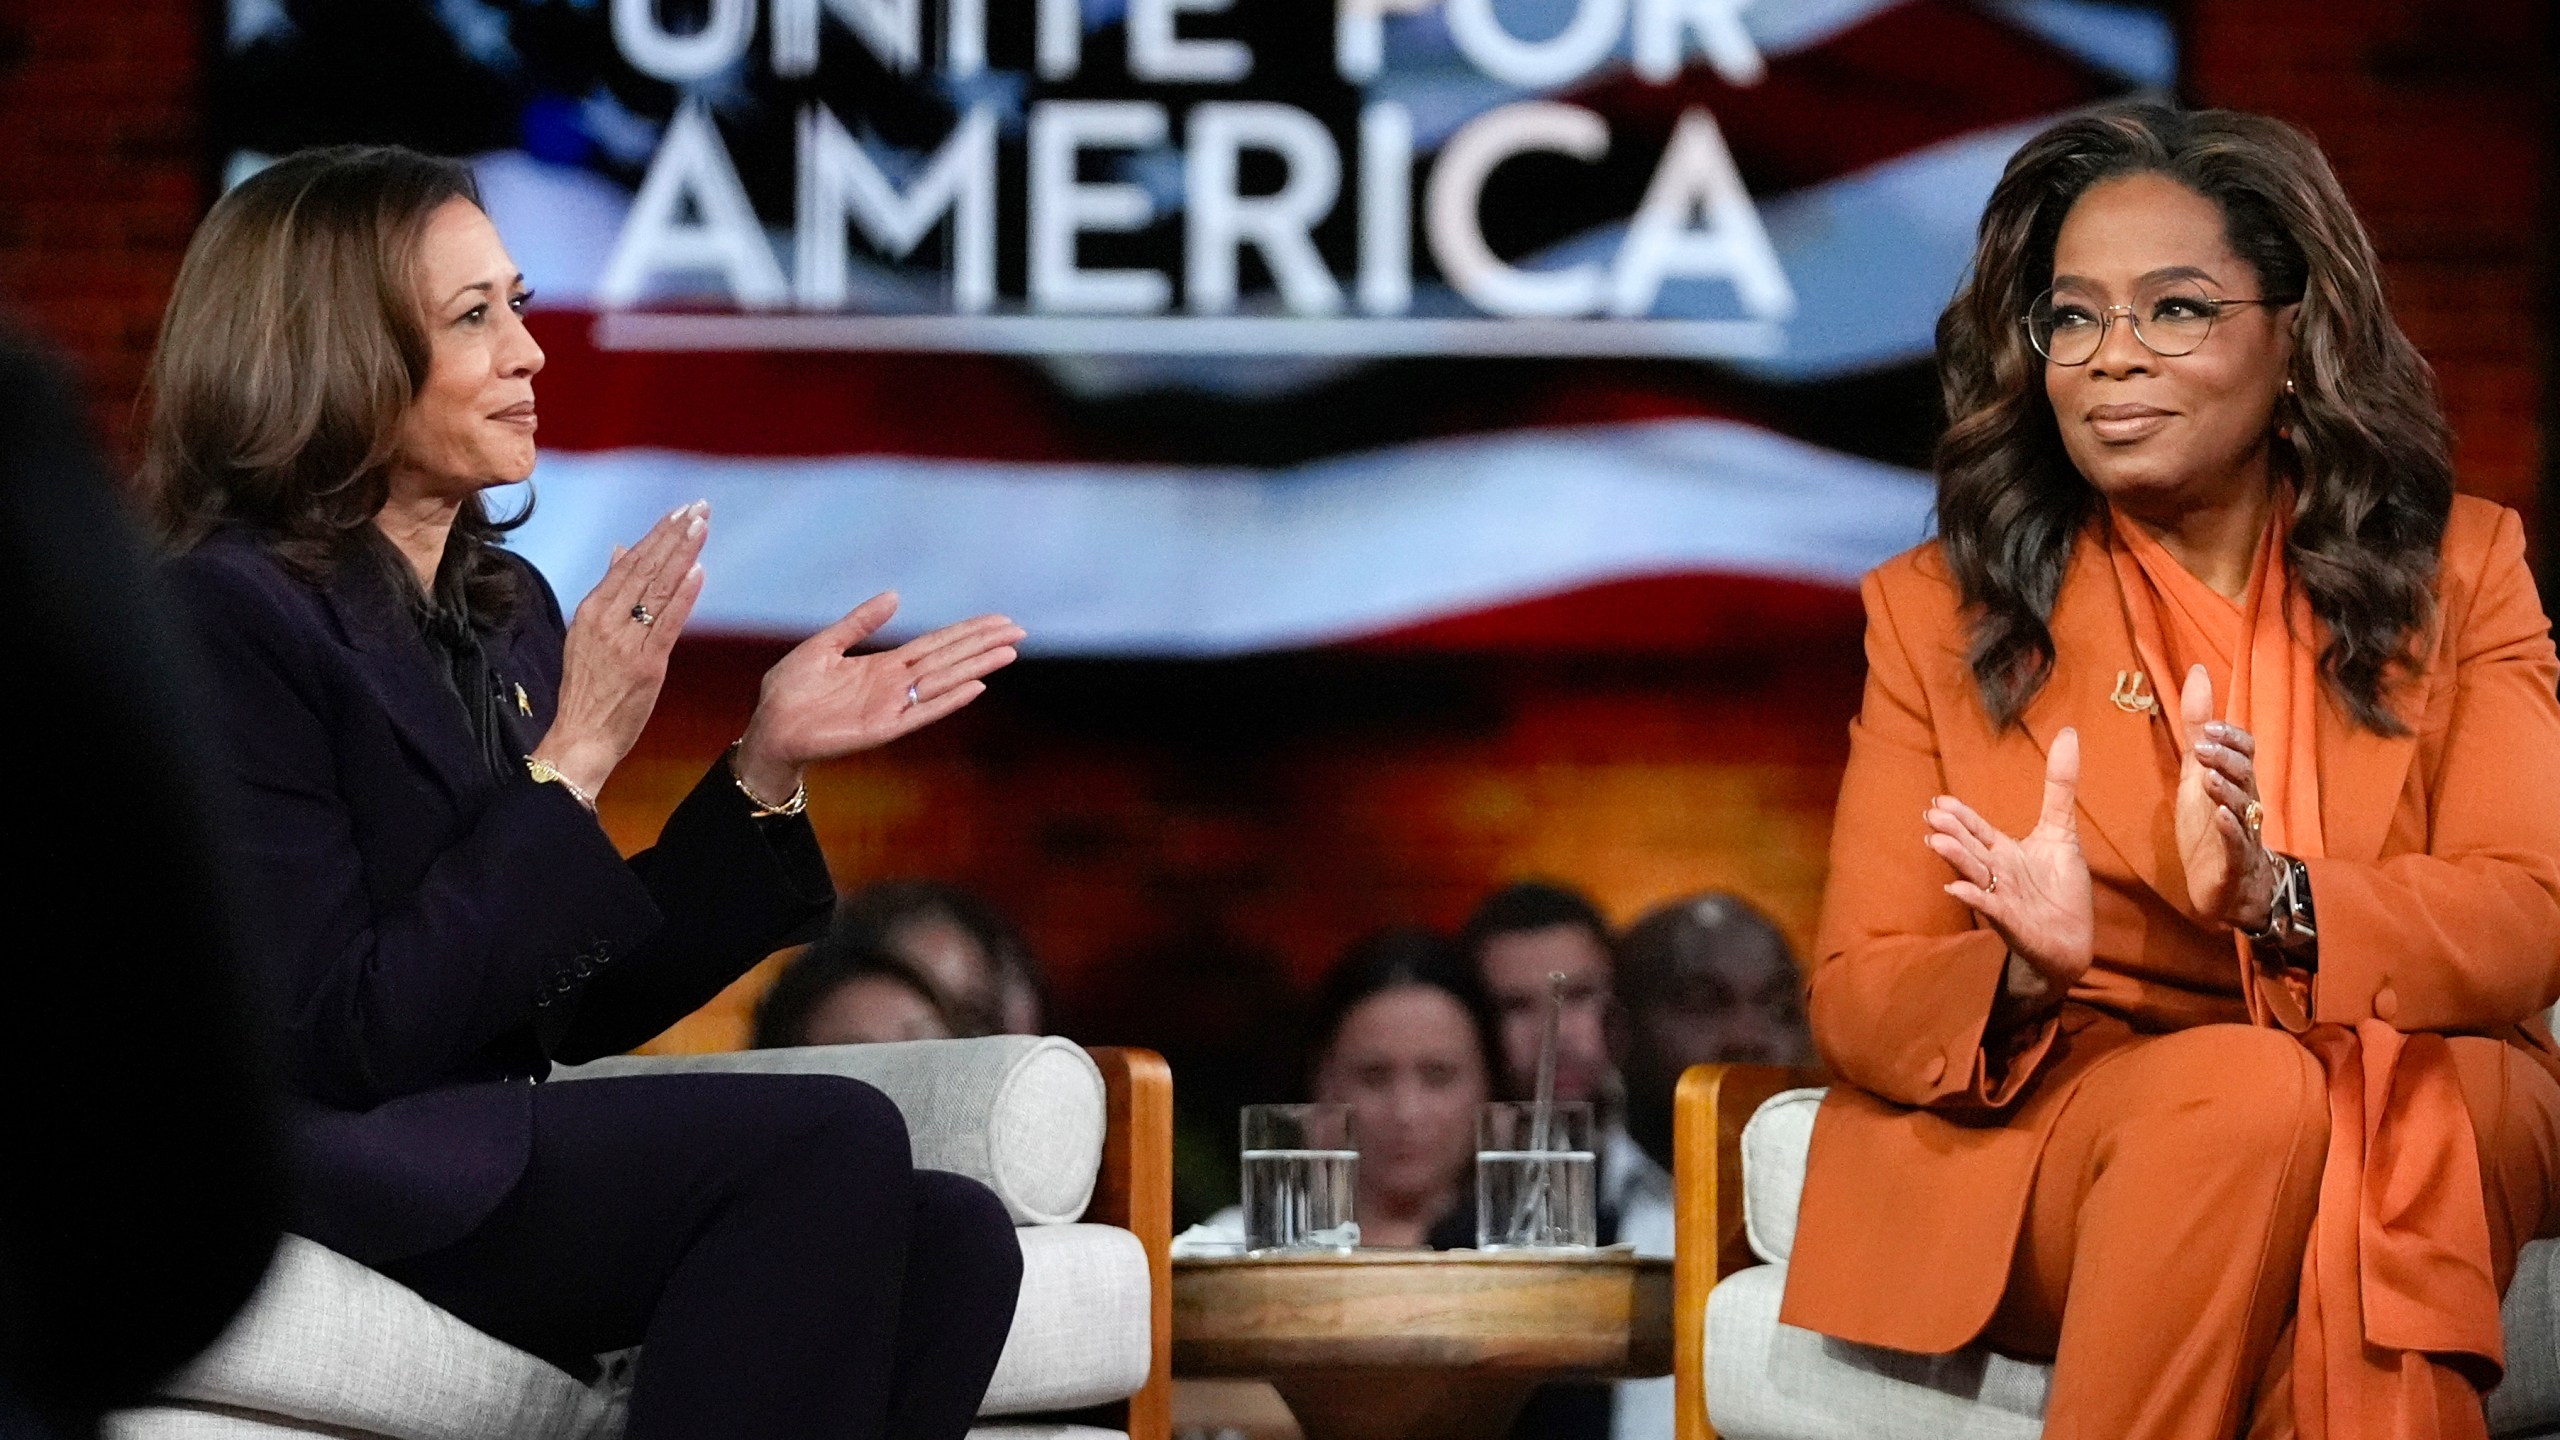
point(292, 346)
point(2362, 438)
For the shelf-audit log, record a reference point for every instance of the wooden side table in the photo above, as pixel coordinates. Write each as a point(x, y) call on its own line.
point(1418, 1344)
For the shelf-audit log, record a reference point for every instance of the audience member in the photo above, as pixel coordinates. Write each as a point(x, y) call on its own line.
point(973, 957)
point(1404, 1036)
point(837, 995)
point(1520, 937)
point(1702, 980)
point(1522, 934)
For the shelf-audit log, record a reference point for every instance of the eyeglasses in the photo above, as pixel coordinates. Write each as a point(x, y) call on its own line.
point(2068, 331)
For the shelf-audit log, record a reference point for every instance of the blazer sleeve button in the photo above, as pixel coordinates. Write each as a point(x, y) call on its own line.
point(2386, 1003)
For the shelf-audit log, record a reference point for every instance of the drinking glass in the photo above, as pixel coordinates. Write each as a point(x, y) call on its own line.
point(1537, 1177)
point(1301, 1173)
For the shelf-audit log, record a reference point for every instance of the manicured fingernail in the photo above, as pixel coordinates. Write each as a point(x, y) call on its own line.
point(678, 512)
point(695, 573)
point(695, 528)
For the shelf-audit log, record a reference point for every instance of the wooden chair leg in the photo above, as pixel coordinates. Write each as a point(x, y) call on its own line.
point(1712, 1105)
point(1135, 1192)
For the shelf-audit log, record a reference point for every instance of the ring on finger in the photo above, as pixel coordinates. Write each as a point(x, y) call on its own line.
point(2253, 815)
point(640, 612)
point(1991, 886)
point(912, 700)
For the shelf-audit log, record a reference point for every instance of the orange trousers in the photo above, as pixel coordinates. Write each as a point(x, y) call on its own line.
point(2162, 1247)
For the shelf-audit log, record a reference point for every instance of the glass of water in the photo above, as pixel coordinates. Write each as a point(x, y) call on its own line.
point(1537, 1178)
point(1301, 1171)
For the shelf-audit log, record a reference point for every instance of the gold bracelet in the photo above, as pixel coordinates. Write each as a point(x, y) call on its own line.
point(765, 809)
point(543, 774)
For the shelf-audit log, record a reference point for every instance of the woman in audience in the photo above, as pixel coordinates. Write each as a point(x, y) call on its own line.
point(1405, 1037)
point(419, 735)
point(832, 994)
point(2206, 640)
point(975, 958)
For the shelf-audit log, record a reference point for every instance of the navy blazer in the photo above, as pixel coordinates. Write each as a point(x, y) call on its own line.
point(432, 936)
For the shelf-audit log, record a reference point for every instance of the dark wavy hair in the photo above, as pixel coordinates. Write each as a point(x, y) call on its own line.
point(1393, 959)
point(810, 978)
point(292, 346)
point(2362, 438)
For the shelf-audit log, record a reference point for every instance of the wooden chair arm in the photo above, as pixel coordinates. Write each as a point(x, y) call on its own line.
point(1712, 1105)
point(1135, 1192)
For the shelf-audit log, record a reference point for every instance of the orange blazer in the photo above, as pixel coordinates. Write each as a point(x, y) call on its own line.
point(2439, 909)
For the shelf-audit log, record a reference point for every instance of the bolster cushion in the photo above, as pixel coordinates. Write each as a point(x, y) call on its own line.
point(1020, 1114)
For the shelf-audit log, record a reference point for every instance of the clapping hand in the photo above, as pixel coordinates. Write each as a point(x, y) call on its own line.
point(821, 701)
point(2033, 891)
point(2229, 878)
point(614, 658)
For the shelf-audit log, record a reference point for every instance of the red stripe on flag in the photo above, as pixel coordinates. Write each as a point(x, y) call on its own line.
point(1654, 614)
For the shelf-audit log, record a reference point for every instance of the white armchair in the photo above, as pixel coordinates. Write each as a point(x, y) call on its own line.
point(1077, 1144)
point(1744, 1376)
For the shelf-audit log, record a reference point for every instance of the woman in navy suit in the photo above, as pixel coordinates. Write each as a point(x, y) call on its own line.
point(417, 736)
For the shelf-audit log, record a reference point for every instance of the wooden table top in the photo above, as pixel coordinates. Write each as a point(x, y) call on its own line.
point(1602, 1313)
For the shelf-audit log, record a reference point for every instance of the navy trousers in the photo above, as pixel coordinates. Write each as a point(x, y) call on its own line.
point(764, 1238)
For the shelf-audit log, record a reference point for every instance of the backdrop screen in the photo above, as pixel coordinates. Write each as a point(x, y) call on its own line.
point(1209, 327)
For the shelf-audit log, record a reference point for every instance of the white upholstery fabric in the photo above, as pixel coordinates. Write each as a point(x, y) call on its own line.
point(172, 1422)
point(332, 1344)
point(327, 1342)
point(1766, 1381)
point(1081, 1329)
point(1044, 1432)
point(1774, 1143)
point(1022, 1114)
point(2530, 1395)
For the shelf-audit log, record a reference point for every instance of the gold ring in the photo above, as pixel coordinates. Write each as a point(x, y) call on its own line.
point(1992, 885)
point(2252, 815)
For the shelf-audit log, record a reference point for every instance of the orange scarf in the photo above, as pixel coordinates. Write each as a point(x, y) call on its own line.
point(2396, 1329)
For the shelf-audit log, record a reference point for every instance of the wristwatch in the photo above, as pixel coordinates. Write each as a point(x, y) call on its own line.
point(2291, 931)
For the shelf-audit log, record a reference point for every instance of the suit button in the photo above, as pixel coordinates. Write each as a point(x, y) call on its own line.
point(2386, 1003)
point(583, 968)
point(1936, 1070)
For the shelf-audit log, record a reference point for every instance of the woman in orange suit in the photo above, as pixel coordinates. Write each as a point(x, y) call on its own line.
point(2196, 877)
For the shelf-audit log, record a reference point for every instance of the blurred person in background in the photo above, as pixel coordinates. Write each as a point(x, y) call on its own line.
point(1518, 937)
point(832, 994)
point(143, 1187)
point(1701, 981)
point(1404, 1036)
point(975, 959)
point(417, 735)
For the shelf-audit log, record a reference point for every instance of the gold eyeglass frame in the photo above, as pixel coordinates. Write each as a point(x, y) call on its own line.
point(2107, 315)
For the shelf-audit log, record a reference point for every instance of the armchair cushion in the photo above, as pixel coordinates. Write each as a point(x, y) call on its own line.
point(1774, 1145)
point(1764, 1379)
point(1080, 1331)
point(310, 1348)
point(1021, 1114)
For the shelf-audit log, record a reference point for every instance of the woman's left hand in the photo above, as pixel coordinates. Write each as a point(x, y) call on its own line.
point(819, 702)
point(2229, 877)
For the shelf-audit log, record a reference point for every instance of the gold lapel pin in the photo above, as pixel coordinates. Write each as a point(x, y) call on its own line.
point(2132, 693)
point(524, 706)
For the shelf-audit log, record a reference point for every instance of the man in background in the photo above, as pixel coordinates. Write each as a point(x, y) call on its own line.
point(1701, 981)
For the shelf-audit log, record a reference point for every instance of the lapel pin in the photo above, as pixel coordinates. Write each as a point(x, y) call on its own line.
point(524, 706)
point(2132, 693)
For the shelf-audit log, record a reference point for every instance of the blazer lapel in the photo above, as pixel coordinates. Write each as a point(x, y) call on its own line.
point(405, 676)
point(2125, 754)
point(2361, 773)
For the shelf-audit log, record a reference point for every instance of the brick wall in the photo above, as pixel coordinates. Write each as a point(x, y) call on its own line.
point(1128, 843)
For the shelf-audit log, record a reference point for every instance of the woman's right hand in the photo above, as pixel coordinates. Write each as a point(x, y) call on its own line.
point(2033, 891)
point(612, 664)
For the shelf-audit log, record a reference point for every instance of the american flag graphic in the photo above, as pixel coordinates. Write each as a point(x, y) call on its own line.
point(1166, 498)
